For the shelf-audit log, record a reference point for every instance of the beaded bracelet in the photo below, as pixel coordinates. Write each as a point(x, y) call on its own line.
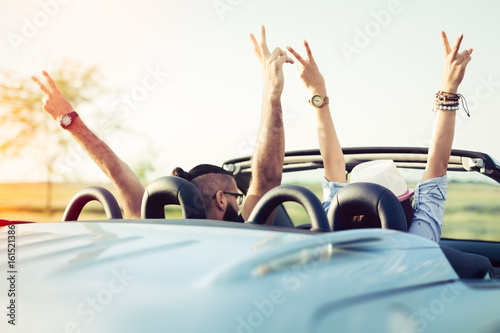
point(449, 102)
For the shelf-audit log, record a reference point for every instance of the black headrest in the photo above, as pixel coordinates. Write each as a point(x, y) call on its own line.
point(366, 199)
point(171, 190)
point(293, 193)
point(84, 196)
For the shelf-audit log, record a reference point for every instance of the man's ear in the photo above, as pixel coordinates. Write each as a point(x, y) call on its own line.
point(220, 200)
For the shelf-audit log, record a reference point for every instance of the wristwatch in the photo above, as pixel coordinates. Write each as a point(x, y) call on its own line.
point(318, 101)
point(67, 119)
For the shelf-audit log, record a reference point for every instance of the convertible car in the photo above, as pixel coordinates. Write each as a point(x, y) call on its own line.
point(196, 275)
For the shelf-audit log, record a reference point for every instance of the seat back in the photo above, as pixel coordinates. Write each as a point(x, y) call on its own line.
point(366, 199)
point(171, 190)
point(91, 193)
point(468, 265)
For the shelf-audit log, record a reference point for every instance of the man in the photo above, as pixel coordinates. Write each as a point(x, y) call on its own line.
point(217, 186)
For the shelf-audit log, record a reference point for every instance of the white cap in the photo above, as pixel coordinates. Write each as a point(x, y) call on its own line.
point(382, 172)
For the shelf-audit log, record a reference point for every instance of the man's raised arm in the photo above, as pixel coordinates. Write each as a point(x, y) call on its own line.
point(130, 189)
point(268, 157)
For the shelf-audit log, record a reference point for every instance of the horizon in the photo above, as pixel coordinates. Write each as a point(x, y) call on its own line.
point(209, 87)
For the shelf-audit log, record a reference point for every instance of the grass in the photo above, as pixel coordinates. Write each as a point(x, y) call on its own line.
point(472, 211)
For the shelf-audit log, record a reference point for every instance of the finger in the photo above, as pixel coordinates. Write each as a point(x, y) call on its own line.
point(281, 60)
point(456, 47)
point(278, 53)
point(256, 48)
point(466, 61)
point(446, 44)
point(308, 50)
point(263, 42)
point(296, 55)
point(466, 53)
point(51, 82)
point(40, 85)
point(280, 56)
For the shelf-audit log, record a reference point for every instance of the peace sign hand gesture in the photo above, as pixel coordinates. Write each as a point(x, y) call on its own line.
point(454, 64)
point(55, 104)
point(272, 65)
point(309, 72)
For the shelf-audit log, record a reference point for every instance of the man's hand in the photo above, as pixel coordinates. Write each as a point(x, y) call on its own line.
point(55, 104)
point(454, 64)
point(272, 65)
point(309, 72)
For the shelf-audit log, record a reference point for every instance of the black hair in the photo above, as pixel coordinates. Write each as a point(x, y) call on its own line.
point(200, 170)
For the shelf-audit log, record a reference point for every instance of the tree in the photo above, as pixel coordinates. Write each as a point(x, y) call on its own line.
point(24, 126)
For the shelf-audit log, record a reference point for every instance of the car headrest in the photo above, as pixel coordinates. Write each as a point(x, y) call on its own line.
point(84, 196)
point(366, 199)
point(171, 190)
point(294, 193)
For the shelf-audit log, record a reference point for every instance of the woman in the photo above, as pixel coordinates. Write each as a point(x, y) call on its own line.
point(426, 216)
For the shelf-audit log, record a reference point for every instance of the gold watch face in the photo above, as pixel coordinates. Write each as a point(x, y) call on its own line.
point(317, 100)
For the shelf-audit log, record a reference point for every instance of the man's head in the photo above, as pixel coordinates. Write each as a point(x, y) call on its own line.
point(217, 187)
point(385, 173)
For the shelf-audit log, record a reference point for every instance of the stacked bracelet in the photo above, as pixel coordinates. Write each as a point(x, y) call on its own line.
point(449, 102)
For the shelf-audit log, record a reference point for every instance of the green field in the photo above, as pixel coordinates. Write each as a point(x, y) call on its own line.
point(472, 209)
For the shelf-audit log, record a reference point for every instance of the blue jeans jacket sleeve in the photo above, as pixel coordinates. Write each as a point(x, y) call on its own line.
point(428, 208)
point(329, 191)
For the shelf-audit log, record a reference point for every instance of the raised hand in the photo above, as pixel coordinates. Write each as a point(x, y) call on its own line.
point(271, 64)
point(308, 71)
point(444, 121)
point(329, 145)
point(454, 64)
point(55, 104)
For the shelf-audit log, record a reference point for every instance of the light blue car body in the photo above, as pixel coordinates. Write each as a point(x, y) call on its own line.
point(211, 276)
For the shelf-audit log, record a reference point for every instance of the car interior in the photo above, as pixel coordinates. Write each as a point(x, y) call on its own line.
point(471, 259)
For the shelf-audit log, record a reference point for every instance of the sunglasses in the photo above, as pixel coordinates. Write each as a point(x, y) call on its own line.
point(239, 197)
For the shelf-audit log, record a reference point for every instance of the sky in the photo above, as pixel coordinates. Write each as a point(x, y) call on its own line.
point(382, 61)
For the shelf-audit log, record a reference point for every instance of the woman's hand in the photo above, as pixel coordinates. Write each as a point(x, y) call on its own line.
point(309, 72)
point(454, 64)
